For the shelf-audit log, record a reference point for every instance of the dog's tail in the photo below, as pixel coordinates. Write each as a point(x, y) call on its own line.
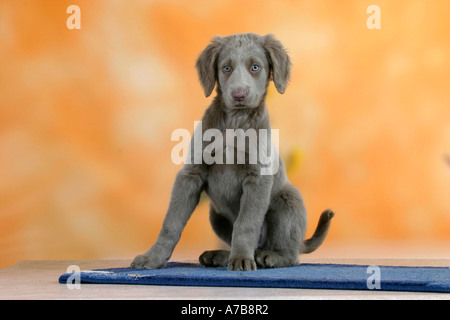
point(319, 235)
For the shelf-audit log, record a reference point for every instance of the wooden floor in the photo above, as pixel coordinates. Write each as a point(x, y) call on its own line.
point(39, 280)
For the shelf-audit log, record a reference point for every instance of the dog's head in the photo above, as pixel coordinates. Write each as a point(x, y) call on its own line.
point(242, 65)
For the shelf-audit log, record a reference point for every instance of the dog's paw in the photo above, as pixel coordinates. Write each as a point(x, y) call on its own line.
point(267, 259)
point(241, 264)
point(147, 261)
point(215, 258)
point(270, 259)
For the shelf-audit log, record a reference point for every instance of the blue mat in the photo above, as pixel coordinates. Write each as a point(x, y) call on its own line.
point(304, 276)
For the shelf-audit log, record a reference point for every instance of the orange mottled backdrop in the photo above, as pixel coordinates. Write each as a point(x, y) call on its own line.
point(86, 117)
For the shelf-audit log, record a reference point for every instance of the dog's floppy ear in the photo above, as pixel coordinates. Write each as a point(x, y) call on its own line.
point(279, 62)
point(207, 65)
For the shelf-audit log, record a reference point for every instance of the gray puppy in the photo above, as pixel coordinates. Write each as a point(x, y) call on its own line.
point(262, 217)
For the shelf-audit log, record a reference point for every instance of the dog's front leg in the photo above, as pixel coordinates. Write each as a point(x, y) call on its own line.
point(184, 198)
point(255, 201)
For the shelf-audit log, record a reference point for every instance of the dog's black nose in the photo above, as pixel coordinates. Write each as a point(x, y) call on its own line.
point(239, 95)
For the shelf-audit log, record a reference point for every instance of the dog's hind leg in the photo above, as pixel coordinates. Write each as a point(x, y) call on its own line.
point(286, 226)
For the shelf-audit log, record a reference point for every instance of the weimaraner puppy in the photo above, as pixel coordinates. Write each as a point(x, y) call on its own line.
point(262, 217)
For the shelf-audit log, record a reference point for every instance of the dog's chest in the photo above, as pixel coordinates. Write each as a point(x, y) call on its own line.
point(224, 188)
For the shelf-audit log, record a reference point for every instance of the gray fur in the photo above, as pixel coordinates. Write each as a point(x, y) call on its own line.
point(261, 217)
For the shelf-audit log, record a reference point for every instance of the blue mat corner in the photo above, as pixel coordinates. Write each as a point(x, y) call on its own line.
point(304, 276)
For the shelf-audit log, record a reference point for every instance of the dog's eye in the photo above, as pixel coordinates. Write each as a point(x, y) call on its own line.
point(255, 68)
point(227, 69)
